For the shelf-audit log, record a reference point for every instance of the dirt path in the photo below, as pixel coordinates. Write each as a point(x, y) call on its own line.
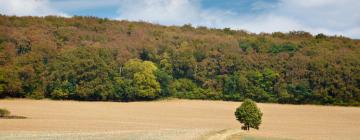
point(171, 119)
point(222, 135)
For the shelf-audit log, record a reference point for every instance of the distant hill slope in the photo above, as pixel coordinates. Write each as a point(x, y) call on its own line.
point(88, 58)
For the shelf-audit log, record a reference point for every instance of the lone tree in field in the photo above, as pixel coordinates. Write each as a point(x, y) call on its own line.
point(249, 115)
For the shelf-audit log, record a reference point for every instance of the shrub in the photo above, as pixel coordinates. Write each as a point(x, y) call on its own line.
point(59, 94)
point(36, 95)
point(4, 112)
point(185, 88)
point(249, 115)
point(228, 31)
point(320, 36)
point(288, 47)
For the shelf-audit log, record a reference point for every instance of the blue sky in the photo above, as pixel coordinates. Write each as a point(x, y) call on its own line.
point(333, 17)
point(110, 10)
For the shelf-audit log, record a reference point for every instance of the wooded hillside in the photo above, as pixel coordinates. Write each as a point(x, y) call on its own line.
point(87, 58)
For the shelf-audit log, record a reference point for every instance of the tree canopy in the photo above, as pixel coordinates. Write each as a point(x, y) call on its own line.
point(89, 58)
point(141, 75)
point(249, 115)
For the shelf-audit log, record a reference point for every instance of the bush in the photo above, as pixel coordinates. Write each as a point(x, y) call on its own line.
point(288, 47)
point(59, 94)
point(36, 95)
point(185, 88)
point(4, 112)
point(249, 115)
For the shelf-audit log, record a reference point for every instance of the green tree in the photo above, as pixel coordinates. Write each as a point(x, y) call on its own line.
point(164, 79)
point(184, 63)
point(2, 83)
point(82, 58)
point(11, 83)
point(123, 89)
point(185, 88)
point(237, 87)
point(249, 115)
point(83, 74)
point(165, 63)
point(143, 79)
point(59, 94)
point(256, 85)
point(262, 84)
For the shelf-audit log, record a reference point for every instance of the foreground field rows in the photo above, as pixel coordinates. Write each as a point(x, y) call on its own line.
point(171, 119)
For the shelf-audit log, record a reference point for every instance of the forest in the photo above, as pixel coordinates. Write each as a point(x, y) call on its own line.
point(98, 59)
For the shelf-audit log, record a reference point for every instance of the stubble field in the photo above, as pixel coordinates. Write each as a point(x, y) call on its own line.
point(172, 119)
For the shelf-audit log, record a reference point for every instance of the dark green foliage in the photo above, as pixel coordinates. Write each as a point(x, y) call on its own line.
point(185, 88)
point(164, 80)
point(59, 94)
point(23, 46)
point(83, 74)
point(145, 55)
point(236, 87)
point(184, 62)
point(89, 58)
point(256, 85)
point(199, 55)
point(246, 46)
point(249, 115)
point(123, 90)
point(2, 83)
point(301, 93)
point(320, 36)
point(228, 31)
point(288, 47)
point(301, 34)
point(187, 27)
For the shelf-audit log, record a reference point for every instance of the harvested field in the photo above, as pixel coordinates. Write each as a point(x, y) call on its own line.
point(172, 119)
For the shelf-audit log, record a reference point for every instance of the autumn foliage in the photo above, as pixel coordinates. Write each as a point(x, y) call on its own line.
point(88, 58)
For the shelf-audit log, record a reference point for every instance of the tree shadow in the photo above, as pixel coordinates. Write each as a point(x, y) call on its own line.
point(13, 117)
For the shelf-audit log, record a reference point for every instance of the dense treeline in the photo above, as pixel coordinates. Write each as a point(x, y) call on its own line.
point(87, 58)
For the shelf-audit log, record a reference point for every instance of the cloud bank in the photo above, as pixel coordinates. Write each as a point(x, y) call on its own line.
point(316, 16)
point(333, 17)
point(28, 8)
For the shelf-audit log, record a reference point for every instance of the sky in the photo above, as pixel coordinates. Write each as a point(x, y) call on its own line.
point(332, 17)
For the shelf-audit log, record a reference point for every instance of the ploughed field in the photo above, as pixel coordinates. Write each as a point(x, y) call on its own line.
point(172, 119)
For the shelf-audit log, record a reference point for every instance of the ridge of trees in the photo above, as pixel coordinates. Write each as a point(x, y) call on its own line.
point(89, 58)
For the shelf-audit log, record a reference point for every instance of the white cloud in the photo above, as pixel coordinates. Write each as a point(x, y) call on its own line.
point(172, 12)
point(83, 4)
point(341, 17)
point(28, 8)
point(333, 14)
point(167, 12)
point(327, 16)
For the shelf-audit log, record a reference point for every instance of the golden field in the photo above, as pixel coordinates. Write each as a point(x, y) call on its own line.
point(172, 119)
